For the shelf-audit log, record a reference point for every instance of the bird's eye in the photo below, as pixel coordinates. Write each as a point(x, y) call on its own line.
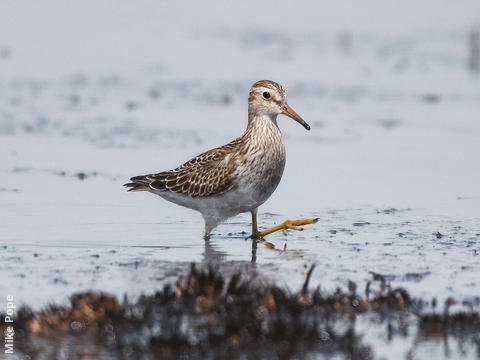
point(266, 95)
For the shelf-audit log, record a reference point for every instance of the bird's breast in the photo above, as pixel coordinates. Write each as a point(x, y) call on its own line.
point(261, 166)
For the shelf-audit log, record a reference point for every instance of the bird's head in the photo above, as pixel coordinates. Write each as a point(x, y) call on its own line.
point(270, 98)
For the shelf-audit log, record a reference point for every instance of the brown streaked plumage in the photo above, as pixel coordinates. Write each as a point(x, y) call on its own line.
point(205, 175)
point(234, 178)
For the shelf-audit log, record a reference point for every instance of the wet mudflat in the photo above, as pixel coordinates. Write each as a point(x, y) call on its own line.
point(390, 168)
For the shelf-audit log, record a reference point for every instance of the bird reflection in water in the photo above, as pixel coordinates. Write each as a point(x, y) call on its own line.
point(211, 255)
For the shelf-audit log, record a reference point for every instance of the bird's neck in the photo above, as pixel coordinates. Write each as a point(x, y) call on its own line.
point(263, 129)
point(258, 123)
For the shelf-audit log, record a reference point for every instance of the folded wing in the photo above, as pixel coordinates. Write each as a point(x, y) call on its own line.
point(207, 174)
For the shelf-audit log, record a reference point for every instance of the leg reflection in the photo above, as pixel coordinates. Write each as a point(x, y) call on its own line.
point(267, 244)
point(211, 255)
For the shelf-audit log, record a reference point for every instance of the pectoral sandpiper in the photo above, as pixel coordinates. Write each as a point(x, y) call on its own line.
point(237, 177)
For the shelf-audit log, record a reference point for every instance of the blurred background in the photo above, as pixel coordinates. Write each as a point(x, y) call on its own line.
point(152, 75)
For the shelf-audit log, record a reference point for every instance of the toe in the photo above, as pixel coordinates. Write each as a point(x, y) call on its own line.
point(294, 227)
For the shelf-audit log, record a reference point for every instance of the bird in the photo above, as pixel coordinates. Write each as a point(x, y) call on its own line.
point(237, 177)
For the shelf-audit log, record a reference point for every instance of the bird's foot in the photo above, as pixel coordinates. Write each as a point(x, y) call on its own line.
point(289, 224)
point(256, 235)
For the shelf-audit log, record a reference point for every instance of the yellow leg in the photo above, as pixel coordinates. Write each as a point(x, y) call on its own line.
point(255, 232)
point(289, 224)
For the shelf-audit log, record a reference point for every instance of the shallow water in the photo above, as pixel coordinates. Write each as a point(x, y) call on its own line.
point(390, 166)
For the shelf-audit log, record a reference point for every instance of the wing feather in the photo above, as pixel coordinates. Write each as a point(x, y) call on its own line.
point(207, 174)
